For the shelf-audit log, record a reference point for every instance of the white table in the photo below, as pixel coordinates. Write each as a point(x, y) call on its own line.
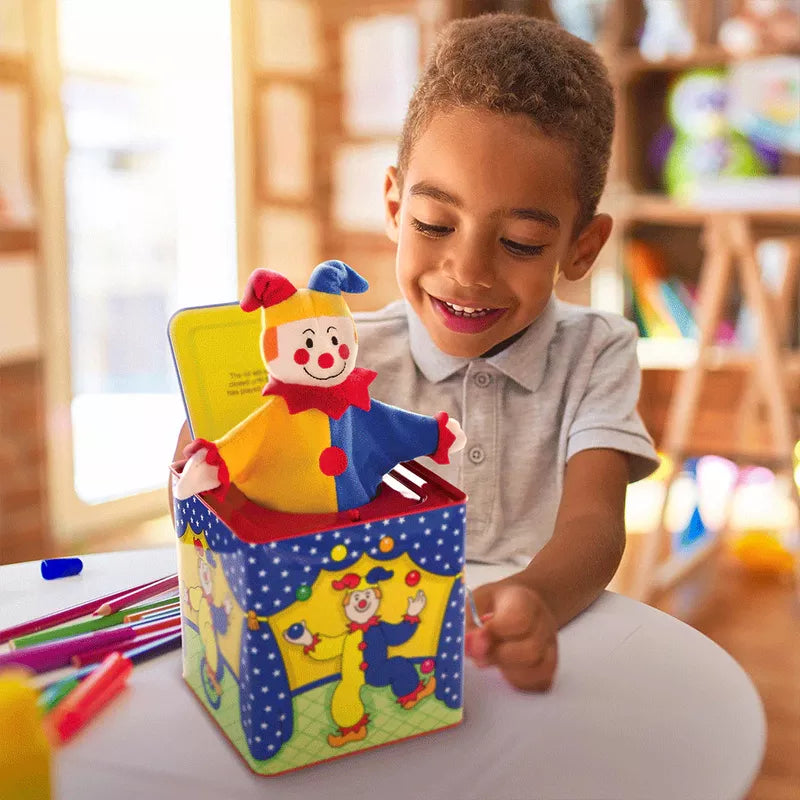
point(643, 707)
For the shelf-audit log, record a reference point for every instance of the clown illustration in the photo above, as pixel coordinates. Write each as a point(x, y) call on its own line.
point(212, 619)
point(363, 650)
point(318, 443)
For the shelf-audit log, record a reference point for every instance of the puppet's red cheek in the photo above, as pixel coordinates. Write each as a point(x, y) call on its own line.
point(301, 356)
point(325, 361)
point(344, 352)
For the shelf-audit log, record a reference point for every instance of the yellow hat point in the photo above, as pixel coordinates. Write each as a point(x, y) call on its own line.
point(25, 751)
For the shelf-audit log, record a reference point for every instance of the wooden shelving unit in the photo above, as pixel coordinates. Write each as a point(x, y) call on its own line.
point(714, 248)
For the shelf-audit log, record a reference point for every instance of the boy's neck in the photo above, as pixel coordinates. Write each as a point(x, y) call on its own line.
point(498, 348)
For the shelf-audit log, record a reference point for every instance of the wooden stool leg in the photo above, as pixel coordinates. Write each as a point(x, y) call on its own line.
point(714, 278)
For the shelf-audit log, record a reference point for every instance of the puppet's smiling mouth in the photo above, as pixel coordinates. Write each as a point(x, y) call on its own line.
point(330, 377)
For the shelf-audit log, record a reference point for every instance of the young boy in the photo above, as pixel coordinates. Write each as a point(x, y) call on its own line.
point(502, 161)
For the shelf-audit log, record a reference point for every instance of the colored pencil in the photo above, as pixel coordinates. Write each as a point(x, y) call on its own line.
point(146, 651)
point(145, 611)
point(99, 653)
point(159, 587)
point(90, 696)
point(143, 651)
point(55, 693)
point(158, 614)
point(52, 655)
point(92, 624)
point(66, 614)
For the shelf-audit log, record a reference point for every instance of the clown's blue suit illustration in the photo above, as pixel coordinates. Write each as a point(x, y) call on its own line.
point(363, 649)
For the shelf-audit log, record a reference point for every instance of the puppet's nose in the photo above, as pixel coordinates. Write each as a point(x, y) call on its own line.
point(325, 361)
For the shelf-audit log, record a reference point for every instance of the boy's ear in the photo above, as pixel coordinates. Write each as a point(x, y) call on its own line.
point(391, 203)
point(586, 247)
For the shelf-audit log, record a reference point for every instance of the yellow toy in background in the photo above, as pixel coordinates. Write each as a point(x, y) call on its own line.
point(25, 754)
point(763, 525)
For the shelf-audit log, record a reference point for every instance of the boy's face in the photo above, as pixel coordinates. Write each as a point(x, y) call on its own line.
point(483, 227)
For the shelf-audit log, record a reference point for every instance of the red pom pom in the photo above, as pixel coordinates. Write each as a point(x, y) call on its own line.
point(333, 461)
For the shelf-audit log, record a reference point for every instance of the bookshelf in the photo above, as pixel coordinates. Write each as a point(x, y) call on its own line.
point(713, 247)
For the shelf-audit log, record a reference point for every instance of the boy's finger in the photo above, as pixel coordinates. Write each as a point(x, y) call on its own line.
point(528, 652)
point(516, 612)
point(538, 678)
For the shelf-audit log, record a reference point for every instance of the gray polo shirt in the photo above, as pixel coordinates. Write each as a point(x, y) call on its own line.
point(569, 383)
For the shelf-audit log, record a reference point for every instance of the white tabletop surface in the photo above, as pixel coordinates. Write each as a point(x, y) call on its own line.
point(643, 707)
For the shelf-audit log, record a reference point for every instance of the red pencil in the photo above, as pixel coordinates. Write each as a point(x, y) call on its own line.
point(67, 614)
point(89, 696)
point(125, 600)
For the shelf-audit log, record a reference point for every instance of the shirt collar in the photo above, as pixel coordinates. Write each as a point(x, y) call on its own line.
point(524, 361)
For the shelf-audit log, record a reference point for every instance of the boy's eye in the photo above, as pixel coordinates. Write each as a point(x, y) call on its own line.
point(309, 343)
point(334, 341)
point(434, 231)
point(517, 249)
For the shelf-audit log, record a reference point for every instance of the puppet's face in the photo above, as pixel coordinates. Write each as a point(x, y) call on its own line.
point(361, 605)
point(319, 351)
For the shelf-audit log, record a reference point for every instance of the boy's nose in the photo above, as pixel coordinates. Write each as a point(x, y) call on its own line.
point(325, 360)
point(470, 268)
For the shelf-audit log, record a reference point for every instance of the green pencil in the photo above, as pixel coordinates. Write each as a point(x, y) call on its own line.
point(93, 624)
point(53, 695)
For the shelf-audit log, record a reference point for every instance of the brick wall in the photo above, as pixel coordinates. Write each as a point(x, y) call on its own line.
point(24, 530)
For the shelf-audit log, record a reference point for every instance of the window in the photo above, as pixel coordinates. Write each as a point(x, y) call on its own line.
point(147, 226)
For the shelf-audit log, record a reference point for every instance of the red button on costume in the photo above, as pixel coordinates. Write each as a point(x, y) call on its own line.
point(333, 461)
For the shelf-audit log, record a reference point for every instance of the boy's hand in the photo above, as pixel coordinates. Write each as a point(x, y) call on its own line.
point(518, 635)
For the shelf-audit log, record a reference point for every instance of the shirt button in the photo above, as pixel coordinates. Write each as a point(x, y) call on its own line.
point(476, 454)
point(483, 379)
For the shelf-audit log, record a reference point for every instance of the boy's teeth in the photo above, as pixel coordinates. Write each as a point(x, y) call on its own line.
point(467, 310)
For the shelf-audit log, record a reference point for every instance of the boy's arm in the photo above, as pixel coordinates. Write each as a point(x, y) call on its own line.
point(568, 574)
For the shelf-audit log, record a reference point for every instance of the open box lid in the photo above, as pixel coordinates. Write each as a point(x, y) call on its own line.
point(220, 372)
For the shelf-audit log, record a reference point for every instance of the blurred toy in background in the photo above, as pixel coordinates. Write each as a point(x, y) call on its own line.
point(698, 503)
point(666, 31)
point(582, 18)
point(764, 102)
point(762, 25)
point(703, 143)
point(763, 526)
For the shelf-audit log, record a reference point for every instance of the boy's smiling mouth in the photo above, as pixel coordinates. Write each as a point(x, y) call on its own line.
point(464, 318)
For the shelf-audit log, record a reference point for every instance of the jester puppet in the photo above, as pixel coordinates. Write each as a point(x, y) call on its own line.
point(363, 649)
point(318, 443)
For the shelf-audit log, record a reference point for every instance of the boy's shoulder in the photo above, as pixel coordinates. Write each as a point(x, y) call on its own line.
point(390, 317)
point(583, 325)
point(383, 341)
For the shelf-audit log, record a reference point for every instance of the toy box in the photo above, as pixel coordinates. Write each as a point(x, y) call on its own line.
point(311, 636)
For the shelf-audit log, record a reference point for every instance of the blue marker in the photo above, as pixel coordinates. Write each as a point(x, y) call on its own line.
point(61, 568)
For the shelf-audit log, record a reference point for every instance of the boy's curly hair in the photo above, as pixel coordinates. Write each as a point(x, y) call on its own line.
point(518, 64)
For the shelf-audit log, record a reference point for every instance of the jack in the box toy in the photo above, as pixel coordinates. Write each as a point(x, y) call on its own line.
point(322, 567)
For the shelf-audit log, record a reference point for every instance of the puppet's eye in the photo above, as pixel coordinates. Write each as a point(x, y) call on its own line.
point(334, 341)
point(309, 343)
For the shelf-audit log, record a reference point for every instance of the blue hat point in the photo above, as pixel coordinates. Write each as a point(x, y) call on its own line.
point(335, 277)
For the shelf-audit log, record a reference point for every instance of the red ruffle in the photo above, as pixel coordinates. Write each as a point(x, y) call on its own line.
point(331, 400)
point(446, 438)
point(216, 460)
